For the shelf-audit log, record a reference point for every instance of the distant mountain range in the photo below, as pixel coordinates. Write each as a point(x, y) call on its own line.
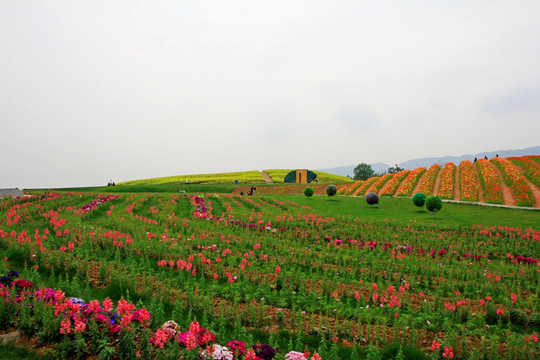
point(427, 162)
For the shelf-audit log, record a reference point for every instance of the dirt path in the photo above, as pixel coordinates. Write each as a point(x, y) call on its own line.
point(437, 184)
point(479, 184)
point(508, 196)
point(457, 190)
point(267, 177)
point(419, 183)
point(535, 189)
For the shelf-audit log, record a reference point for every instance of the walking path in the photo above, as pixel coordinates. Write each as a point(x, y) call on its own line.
point(267, 177)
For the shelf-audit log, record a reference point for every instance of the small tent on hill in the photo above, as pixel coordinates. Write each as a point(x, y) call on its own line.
point(301, 176)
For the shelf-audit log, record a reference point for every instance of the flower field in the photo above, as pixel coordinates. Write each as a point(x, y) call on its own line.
point(468, 188)
point(428, 182)
point(490, 182)
point(391, 185)
point(377, 185)
point(532, 168)
point(361, 190)
point(230, 277)
point(407, 186)
point(483, 178)
point(516, 181)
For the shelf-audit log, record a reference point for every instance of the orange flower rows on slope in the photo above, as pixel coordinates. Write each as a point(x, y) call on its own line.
point(446, 190)
point(349, 188)
point(390, 187)
point(426, 186)
point(377, 185)
point(490, 182)
point(516, 180)
point(467, 184)
point(407, 186)
point(362, 189)
point(532, 168)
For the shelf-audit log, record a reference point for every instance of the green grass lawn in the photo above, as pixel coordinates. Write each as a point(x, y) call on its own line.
point(403, 210)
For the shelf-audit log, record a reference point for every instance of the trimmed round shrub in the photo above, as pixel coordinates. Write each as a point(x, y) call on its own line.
point(309, 191)
point(419, 199)
point(372, 198)
point(433, 203)
point(331, 190)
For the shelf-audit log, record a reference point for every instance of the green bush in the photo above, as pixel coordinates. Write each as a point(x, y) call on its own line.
point(309, 191)
point(518, 317)
point(331, 190)
point(433, 203)
point(419, 199)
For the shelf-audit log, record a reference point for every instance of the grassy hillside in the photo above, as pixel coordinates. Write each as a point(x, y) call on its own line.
point(243, 177)
point(278, 175)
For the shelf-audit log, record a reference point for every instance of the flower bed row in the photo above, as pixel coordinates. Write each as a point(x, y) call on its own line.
point(361, 190)
point(391, 185)
point(428, 181)
point(377, 185)
point(532, 168)
point(468, 188)
point(516, 181)
point(407, 186)
point(490, 182)
point(446, 190)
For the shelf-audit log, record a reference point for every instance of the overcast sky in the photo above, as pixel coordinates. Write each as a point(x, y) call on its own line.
point(98, 90)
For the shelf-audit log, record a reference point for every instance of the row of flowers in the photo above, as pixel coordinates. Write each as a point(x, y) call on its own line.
point(516, 181)
point(361, 190)
point(446, 189)
point(428, 181)
point(377, 185)
point(490, 182)
point(348, 189)
point(468, 189)
point(407, 186)
point(391, 186)
point(531, 167)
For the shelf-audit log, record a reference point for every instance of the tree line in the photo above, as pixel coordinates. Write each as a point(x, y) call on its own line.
point(364, 171)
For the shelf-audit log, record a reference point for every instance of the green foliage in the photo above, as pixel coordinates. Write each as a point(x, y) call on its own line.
point(309, 191)
point(395, 169)
point(419, 199)
point(363, 171)
point(331, 190)
point(433, 203)
point(518, 317)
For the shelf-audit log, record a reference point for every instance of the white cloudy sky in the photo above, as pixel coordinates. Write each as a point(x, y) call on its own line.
point(99, 90)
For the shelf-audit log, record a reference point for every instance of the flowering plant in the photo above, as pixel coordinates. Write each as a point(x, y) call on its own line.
point(217, 352)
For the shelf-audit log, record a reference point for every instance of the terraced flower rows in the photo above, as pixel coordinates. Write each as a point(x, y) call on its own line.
point(521, 175)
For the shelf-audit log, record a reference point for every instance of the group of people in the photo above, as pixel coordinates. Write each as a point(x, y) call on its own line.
point(485, 158)
point(252, 191)
point(111, 183)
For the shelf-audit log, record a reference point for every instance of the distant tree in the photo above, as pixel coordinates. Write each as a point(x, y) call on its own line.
point(363, 172)
point(395, 169)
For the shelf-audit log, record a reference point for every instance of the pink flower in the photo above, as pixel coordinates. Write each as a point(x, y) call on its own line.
point(295, 355)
